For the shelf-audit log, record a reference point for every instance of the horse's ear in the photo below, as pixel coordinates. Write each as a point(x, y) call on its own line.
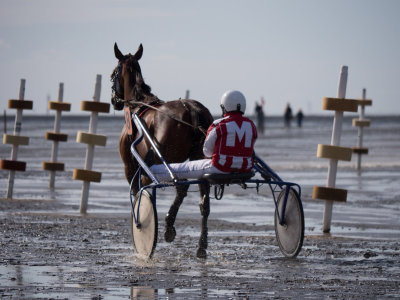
point(139, 52)
point(118, 53)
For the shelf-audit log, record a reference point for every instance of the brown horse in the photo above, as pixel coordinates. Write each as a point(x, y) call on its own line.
point(178, 129)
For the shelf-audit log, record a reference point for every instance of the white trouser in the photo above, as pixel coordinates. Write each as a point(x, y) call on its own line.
point(187, 170)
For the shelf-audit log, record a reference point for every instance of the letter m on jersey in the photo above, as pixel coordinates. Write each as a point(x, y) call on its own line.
point(237, 134)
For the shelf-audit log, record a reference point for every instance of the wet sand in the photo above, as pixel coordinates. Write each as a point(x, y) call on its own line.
point(50, 251)
point(46, 254)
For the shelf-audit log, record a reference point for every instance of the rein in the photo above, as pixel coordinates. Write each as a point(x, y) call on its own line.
point(118, 101)
point(151, 106)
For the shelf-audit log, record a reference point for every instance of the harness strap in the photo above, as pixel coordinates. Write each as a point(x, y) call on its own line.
point(143, 109)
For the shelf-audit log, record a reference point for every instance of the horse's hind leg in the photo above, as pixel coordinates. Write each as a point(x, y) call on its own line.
point(205, 212)
point(181, 192)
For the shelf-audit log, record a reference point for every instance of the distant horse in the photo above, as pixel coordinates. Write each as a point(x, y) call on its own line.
point(178, 128)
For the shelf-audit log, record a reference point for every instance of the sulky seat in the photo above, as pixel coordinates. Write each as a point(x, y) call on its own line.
point(230, 178)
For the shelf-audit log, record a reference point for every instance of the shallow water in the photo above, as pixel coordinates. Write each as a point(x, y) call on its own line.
point(372, 208)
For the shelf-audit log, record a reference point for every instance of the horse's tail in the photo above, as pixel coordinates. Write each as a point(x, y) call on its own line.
point(201, 119)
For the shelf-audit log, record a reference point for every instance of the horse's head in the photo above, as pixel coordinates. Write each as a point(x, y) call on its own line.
point(128, 84)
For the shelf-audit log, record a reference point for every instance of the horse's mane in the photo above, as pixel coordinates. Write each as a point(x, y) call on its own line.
point(141, 90)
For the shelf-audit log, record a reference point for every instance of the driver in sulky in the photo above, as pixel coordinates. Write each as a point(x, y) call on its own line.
point(228, 147)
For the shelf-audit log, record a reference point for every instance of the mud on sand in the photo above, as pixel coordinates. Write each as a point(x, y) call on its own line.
point(45, 254)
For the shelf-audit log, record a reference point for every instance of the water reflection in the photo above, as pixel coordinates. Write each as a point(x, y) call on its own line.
point(198, 286)
point(145, 292)
point(20, 275)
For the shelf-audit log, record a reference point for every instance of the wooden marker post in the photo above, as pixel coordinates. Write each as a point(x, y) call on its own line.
point(334, 152)
point(56, 136)
point(15, 139)
point(361, 122)
point(91, 139)
point(5, 121)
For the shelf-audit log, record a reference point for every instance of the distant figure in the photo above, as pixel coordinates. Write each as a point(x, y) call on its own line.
point(288, 116)
point(299, 117)
point(260, 116)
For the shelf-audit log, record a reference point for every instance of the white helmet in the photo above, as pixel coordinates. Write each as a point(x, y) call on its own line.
point(233, 101)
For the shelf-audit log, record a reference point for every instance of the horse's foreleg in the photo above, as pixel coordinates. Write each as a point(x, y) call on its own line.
point(205, 212)
point(181, 192)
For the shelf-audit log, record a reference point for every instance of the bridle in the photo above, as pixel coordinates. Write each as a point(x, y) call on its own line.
point(117, 94)
point(117, 98)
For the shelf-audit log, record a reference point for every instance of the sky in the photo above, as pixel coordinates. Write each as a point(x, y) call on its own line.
point(286, 51)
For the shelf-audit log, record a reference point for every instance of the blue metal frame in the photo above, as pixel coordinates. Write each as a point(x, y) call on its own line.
point(269, 177)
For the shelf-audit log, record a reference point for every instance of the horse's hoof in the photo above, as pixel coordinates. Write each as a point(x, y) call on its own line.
point(169, 234)
point(201, 253)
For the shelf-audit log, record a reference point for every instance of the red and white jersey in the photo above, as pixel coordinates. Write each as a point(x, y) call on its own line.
point(229, 143)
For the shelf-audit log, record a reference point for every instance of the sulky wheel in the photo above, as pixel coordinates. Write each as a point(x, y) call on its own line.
point(144, 235)
point(290, 235)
